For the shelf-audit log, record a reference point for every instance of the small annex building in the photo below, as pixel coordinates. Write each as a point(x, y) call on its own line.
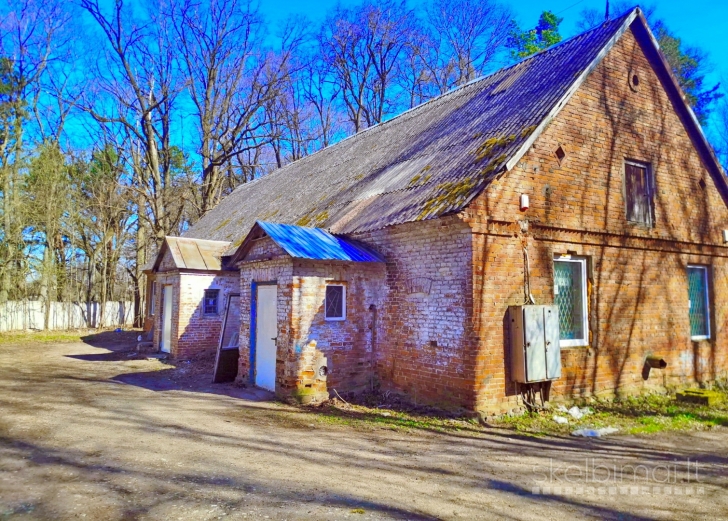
point(576, 182)
point(187, 287)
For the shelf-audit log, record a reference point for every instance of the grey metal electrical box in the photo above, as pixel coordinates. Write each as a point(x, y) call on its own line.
point(534, 343)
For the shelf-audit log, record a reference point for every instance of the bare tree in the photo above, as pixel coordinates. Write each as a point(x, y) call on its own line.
point(231, 77)
point(321, 92)
point(362, 47)
point(466, 38)
point(136, 87)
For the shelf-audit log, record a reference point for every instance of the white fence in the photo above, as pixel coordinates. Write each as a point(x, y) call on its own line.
point(18, 316)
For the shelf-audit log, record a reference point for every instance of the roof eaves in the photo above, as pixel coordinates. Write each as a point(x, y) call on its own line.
point(528, 143)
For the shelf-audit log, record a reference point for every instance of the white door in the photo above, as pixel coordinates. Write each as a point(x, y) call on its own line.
point(166, 319)
point(266, 331)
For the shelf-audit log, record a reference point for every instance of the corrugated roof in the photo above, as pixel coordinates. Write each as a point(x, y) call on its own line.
point(427, 162)
point(193, 254)
point(314, 243)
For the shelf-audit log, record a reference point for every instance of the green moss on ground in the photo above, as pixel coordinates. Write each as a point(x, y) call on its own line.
point(647, 414)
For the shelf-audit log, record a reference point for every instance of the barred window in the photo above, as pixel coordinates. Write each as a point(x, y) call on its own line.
point(698, 302)
point(335, 304)
point(571, 298)
point(210, 301)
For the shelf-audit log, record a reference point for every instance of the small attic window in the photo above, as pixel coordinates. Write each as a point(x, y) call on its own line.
point(634, 81)
point(560, 154)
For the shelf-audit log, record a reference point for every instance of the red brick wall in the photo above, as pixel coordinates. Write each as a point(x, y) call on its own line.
point(639, 302)
point(346, 344)
point(193, 332)
point(422, 344)
point(304, 337)
point(198, 332)
point(426, 345)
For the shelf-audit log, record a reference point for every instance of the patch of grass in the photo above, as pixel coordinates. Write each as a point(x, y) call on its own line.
point(41, 337)
point(647, 414)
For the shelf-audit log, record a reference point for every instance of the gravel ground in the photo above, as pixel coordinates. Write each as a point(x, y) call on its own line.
point(89, 433)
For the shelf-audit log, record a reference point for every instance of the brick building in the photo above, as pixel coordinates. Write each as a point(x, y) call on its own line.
point(578, 177)
point(187, 288)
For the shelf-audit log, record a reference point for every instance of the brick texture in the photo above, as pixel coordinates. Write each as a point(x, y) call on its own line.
point(193, 331)
point(639, 296)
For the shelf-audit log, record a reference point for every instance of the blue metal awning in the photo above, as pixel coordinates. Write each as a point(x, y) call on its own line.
point(317, 244)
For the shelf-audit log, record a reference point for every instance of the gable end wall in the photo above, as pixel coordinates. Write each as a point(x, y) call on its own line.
point(639, 301)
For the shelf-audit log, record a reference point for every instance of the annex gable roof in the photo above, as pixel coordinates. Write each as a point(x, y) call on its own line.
point(192, 254)
point(307, 243)
point(434, 159)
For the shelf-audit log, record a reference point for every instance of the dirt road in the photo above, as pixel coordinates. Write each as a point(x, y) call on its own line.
point(86, 433)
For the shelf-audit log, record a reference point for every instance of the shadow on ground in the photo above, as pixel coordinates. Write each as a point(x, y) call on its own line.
point(113, 340)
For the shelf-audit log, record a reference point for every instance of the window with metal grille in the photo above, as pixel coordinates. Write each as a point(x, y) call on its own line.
point(698, 302)
point(638, 192)
point(571, 298)
point(210, 301)
point(335, 304)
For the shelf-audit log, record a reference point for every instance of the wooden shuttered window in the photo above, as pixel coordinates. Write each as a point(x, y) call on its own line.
point(638, 193)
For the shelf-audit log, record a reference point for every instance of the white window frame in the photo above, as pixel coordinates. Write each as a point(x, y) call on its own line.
point(343, 304)
point(577, 342)
point(706, 274)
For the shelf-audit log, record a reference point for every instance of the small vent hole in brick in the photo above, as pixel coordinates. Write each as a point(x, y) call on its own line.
point(560, 154)
point(433, 343)
point(702, 183)
point(635, 80)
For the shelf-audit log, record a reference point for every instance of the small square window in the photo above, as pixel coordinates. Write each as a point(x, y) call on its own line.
point(698, 302)
point(638, 190)
point(571, 298)
point(210, 303)
point(335, 304)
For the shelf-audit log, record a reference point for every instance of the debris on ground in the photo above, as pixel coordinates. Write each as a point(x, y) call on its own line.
point(560, 419)
point(595, 433)
point(575, 412)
